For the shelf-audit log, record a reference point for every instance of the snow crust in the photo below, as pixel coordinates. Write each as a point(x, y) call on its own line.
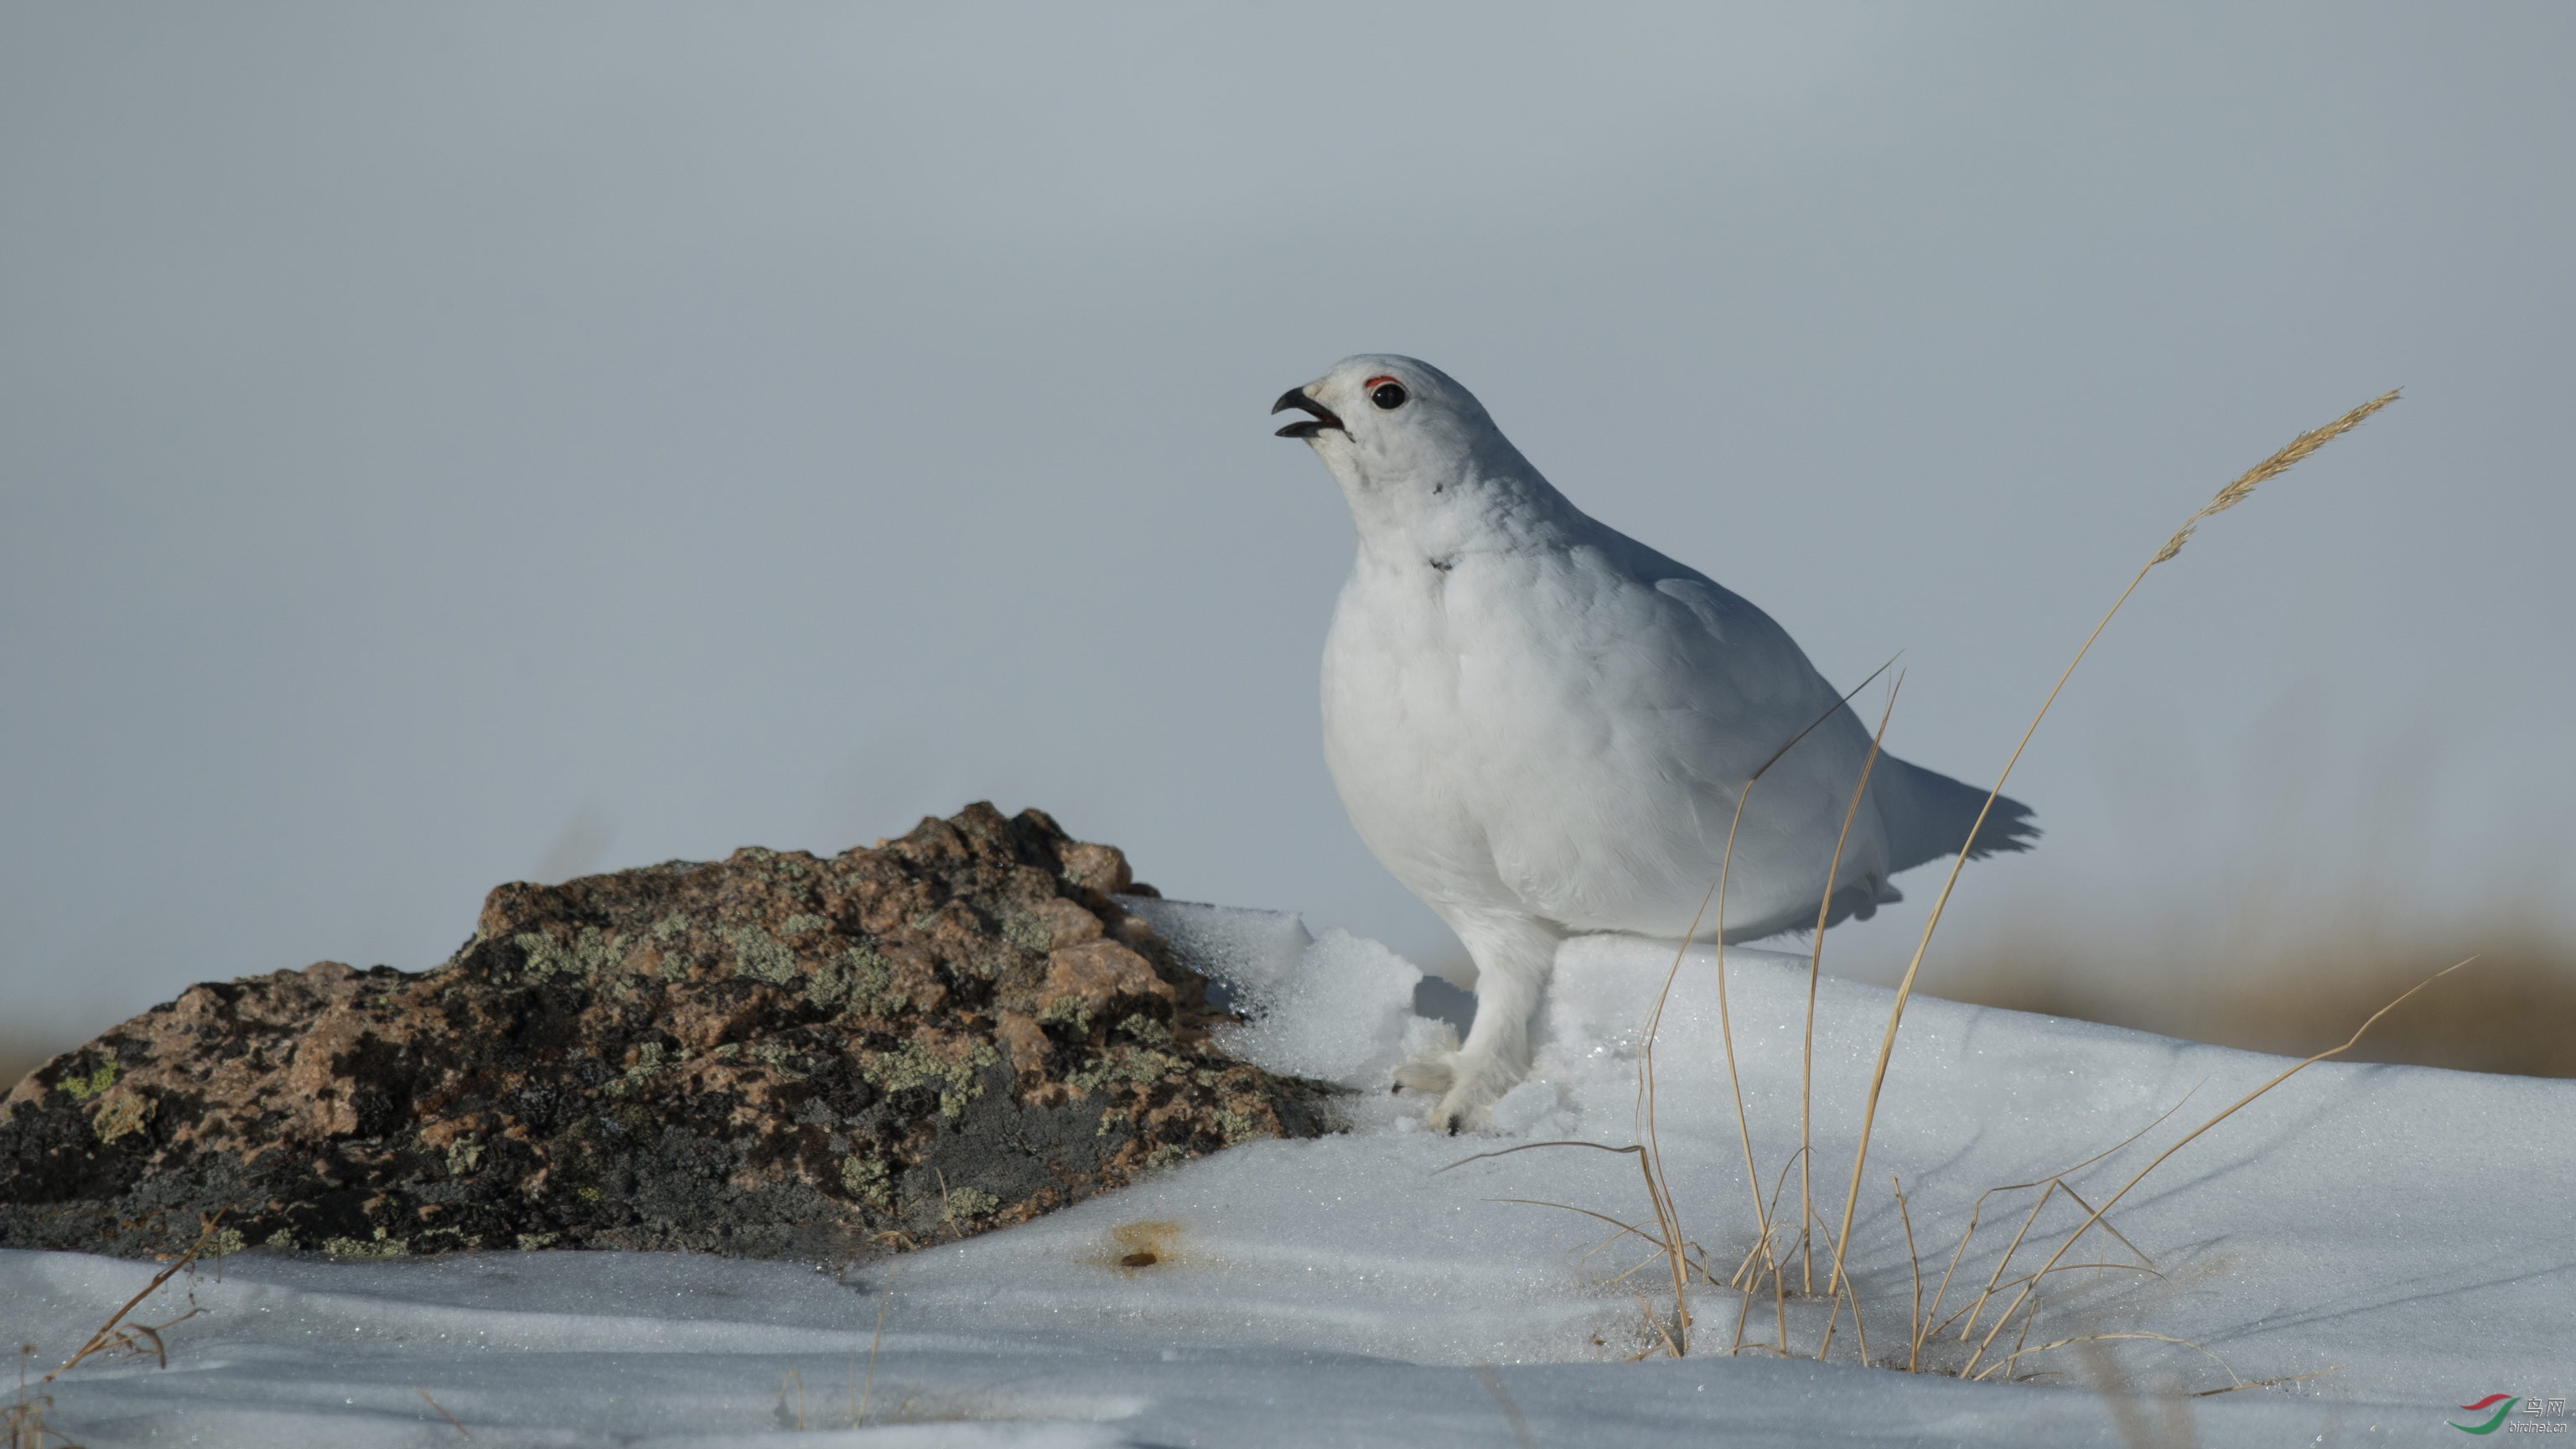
point(2407, 1229)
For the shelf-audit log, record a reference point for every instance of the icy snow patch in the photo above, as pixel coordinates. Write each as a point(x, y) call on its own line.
point(1249, 955)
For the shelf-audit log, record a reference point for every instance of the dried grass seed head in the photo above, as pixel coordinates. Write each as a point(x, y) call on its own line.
point(2272, 467)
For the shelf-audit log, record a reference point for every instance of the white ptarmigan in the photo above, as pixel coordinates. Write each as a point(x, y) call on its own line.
point(1542, 726)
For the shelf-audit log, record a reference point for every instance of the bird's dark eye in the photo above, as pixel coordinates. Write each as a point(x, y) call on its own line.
point(1388, 395)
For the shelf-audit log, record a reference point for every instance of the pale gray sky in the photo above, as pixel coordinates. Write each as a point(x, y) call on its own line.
point(436, 441)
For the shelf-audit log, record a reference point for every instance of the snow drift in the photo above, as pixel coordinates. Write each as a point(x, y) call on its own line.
point(2399, 1235)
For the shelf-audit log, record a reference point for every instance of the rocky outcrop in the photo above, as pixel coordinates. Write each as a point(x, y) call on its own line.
point(771, 1055)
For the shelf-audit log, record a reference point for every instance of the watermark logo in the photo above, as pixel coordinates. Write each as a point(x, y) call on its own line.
point(2538, 1416)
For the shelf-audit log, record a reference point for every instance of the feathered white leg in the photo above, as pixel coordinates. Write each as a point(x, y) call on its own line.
point(1513, 955)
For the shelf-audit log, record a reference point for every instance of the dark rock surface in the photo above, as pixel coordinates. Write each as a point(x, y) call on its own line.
point(773, 1055)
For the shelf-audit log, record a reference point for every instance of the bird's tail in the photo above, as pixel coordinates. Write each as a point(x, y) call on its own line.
point(1928, 814)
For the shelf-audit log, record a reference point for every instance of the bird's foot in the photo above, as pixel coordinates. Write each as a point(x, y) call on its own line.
point(1434, 1066)
point(1468, 1083)
point(1473, 1087)
point(1430, 1072)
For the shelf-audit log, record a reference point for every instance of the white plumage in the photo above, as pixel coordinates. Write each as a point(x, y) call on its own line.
point(1541, 726)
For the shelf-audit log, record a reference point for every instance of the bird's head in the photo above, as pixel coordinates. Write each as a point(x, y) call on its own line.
point(1385, 424)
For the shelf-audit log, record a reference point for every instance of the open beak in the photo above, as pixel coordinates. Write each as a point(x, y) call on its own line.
point(1323, 418)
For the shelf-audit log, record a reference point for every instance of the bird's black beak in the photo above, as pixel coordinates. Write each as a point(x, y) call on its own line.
point(1323, 418)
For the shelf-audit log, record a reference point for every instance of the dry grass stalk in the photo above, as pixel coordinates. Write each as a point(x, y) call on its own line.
point(1779, 1280)
point(1999, 1364)
point(110, 1337)
point(859, 1401)
point(1996, 1282)
point(25, 1419)
point(1726, 1035)
point(2227, 497)
point(1658, 1195)
point(442, 1410)
point(1625, 1229)
point(1815, 969)
point(2011, 1248)
point(1725, 1016)
point(2054, 1180)
point(1666, 1238)
point(2027, 1320)
point(1914, 1260)
point(2024, 1305)
point(1667, 1214)
point(1672, 1345)
point(2187, 1138)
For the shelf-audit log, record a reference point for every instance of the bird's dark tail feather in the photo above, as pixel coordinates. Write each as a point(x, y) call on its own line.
point(1928, 815)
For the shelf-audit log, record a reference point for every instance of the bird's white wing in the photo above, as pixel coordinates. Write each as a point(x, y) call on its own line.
point(1726, 688)
point(1749, 689)
point(1728, 676)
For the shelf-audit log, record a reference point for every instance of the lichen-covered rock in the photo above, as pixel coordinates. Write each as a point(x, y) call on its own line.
point(772, 1055)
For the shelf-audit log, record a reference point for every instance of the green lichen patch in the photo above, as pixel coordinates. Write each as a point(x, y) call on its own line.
point(760, 955)
point(381, 1245)
point(463, 1155)
point(1134, 1065)
point(121, 1115)
point(1146, 1029)
point(1070, 1011)
point(1243, 1127)
point(591, 954)
point(99, 1079)
point(955, 1072)
point(1027, 930)
point(650, 1057)
point(780, 1058)
point(963, 1203)
point(857, 982)
point(867, 1178)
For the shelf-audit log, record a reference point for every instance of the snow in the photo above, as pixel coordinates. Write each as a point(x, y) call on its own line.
point(1339, 1009)
point(2405, 1228)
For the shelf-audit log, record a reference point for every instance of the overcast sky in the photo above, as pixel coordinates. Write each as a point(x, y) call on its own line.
point(442, 445)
